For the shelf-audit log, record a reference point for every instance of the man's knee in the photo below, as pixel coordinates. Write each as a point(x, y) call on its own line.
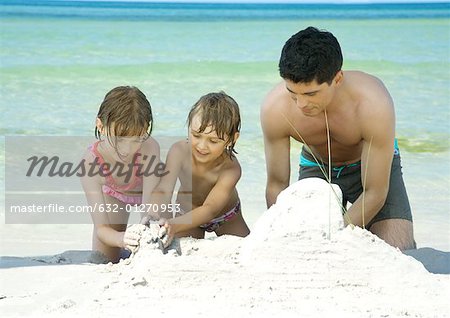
point(396, 232)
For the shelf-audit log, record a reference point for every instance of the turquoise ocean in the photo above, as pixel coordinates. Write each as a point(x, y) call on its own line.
point(59, 58)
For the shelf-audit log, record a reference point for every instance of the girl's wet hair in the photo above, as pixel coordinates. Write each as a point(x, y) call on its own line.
point(125, 112)
point(221, 112)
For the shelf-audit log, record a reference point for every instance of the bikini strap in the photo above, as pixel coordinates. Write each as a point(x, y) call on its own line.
point(94, 150)
point(136, 180)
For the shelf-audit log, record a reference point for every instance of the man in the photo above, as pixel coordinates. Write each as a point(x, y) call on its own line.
point(317, 98)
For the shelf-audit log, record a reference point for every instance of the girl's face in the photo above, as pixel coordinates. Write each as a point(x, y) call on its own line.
point(128, 146)
point(206, 145)
point(123, 147)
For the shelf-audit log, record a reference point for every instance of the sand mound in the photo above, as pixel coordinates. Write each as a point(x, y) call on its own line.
point(294, 264)
point(298, 260)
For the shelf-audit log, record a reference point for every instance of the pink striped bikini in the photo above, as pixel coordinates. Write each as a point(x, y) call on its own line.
point(114, 190)
point(215, 223)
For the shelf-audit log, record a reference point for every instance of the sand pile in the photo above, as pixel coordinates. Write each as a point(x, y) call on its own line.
point(295, 263)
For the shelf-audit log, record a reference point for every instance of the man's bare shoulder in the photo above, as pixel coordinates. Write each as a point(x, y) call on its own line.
point(275, 110)
point(275, 99)
point(375, 110)
point(369, 89)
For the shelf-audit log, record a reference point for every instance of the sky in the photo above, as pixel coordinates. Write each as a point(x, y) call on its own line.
point(308, 1)
point(287, 1)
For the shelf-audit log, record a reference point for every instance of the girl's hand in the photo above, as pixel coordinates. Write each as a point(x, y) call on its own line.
point(166, 233)
point(131, 237)
point(149, 218)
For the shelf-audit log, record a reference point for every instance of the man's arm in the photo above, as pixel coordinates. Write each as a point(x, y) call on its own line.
point(378, 132)
point(276, 148)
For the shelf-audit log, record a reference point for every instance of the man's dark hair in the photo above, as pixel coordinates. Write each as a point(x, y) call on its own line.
point(310, 54)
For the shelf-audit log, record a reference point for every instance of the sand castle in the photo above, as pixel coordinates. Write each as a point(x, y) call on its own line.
point(295, 263)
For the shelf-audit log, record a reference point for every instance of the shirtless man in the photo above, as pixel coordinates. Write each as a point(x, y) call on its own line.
point(361, 121)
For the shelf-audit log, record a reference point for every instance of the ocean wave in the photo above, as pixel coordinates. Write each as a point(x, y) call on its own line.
point(425, 144)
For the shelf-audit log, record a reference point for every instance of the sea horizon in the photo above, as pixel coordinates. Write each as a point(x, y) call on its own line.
point(213, 11)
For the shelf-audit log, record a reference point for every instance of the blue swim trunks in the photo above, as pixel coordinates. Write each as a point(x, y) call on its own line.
point(348, 178)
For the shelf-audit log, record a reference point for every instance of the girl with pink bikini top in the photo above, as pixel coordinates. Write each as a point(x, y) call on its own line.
point(115, 185)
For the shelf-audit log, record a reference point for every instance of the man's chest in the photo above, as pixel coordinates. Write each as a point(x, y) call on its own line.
point(316, 133)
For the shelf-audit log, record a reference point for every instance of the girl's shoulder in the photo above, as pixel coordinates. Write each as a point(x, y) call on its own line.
point(229, 171)
point(90, 153)
point(181, 147)
point(231, 164)
point(150, 146)
point(91, 161)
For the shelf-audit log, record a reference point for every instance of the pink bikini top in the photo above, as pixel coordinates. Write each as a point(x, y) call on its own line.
point(135, 182)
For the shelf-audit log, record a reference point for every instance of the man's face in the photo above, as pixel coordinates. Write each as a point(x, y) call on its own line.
point(311, 98)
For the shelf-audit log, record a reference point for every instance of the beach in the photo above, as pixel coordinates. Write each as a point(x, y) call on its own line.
point(57, 61)
point(295, 263)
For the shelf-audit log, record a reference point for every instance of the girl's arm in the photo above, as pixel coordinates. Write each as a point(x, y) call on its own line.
point(215, 202)
point(163, 191)
point(92, 187)
point(152, 150)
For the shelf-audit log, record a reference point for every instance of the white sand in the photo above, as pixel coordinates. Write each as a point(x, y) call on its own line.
point(288, 266)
